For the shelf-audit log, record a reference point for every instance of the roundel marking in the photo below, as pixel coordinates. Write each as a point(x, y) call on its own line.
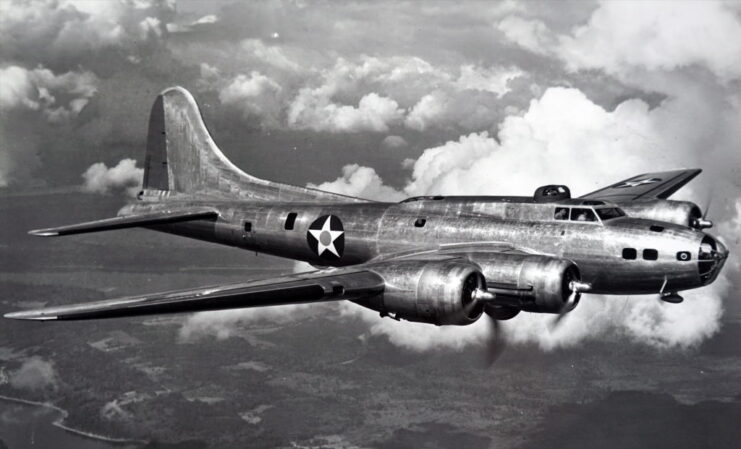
point(639, 182)
point(326, 237)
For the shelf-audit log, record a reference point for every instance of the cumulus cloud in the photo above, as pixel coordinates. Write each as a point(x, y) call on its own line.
point(542, 145)
point(64, 31)
point(255, 94)
point(495, 79)
point(531, 34)
point(393, 143)
point(369, 93)
point(620, 37)
point(35, 373)
point(318, 113)
point(361, 182)
point(124, 176)
point(59, 97)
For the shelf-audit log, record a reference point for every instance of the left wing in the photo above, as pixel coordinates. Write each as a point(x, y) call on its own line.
point(317, 286)
point(659, 185)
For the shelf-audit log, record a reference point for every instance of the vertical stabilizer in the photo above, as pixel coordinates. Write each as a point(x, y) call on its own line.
point(182, 158)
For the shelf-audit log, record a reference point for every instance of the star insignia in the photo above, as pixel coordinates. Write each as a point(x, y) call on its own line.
point(326, 237)
point(637, 183)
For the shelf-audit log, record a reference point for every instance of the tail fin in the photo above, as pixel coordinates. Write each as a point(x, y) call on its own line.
point(182, 158)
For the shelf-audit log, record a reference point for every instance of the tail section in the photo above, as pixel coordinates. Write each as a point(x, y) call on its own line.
point(182, 158)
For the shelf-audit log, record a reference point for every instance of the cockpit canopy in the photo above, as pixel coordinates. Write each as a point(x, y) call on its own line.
point(587, 213)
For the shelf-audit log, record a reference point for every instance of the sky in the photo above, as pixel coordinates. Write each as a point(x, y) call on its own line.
point(391, 99)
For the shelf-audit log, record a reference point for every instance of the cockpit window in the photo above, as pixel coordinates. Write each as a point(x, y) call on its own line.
point(562, 213)
point(607, 213)
point(582, 214)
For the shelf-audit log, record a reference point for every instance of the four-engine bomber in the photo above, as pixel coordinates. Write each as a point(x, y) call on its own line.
point(433, 259)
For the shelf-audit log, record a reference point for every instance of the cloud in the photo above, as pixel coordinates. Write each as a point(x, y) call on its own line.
point(541, 146)
point(531, 34)
point(124, 176)
point(469, 102)
point(361, 182)
point(494, 79)
point(34, 374)
point(622, 36)
point(393, 143)
point(384, 90)
point(316, 112)
point(256, 95)
point(65, 32)
point(59, 97)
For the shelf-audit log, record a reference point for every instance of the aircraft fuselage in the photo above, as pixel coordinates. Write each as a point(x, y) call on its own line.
point(620, 255)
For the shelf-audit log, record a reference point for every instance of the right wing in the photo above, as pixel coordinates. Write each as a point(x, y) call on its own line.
point(317, 286)
point(659, 185)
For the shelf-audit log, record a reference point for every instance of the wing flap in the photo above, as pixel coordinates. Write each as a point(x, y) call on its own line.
point(130, 221)
point(659, 185)
point(317, 286)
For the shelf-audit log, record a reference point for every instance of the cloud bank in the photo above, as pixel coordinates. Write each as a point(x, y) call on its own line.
point(125, 176)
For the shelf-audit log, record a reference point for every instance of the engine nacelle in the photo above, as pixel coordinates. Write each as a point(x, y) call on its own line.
point(530, 282)
point(437, 292)
point(682, 213)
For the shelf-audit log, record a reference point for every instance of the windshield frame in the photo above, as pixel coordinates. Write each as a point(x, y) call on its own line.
point(620, 213)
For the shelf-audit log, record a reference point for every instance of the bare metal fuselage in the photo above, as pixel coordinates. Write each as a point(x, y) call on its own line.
point(373, 230)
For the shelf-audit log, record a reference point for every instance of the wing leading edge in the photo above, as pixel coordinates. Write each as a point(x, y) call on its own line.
point(317, 286)
point(659, 185)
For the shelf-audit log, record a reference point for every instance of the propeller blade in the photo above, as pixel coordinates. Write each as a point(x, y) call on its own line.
point(576, 288)
point(496, 342)
point(708, 202)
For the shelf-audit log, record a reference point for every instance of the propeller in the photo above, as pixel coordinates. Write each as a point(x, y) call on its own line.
point(495, 340)
point(576, 287)
point(702, 223)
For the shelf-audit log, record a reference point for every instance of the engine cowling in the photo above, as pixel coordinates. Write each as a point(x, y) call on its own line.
point(682, 213)
point(437, 292)
point(529, 282)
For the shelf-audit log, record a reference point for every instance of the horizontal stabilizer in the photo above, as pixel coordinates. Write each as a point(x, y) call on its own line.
point(316, 286)
point(131, 221)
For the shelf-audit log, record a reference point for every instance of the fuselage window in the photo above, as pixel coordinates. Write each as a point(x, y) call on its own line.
point(247, 226)
point(420, 222)
point(650, 254)
point(684, 256)
point(562, 213)
point(290, 221)
point(630, 253)
point(579, 214)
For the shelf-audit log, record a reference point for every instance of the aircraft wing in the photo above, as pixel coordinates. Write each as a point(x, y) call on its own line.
point(317, 286)
point(659, 185)
point(129, 221)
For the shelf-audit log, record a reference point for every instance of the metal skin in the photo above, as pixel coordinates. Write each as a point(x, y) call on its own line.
point(376, 229)
point(439, 260)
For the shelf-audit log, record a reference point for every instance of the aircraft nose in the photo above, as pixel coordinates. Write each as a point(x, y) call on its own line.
point(711, 258)
point(721, 249)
